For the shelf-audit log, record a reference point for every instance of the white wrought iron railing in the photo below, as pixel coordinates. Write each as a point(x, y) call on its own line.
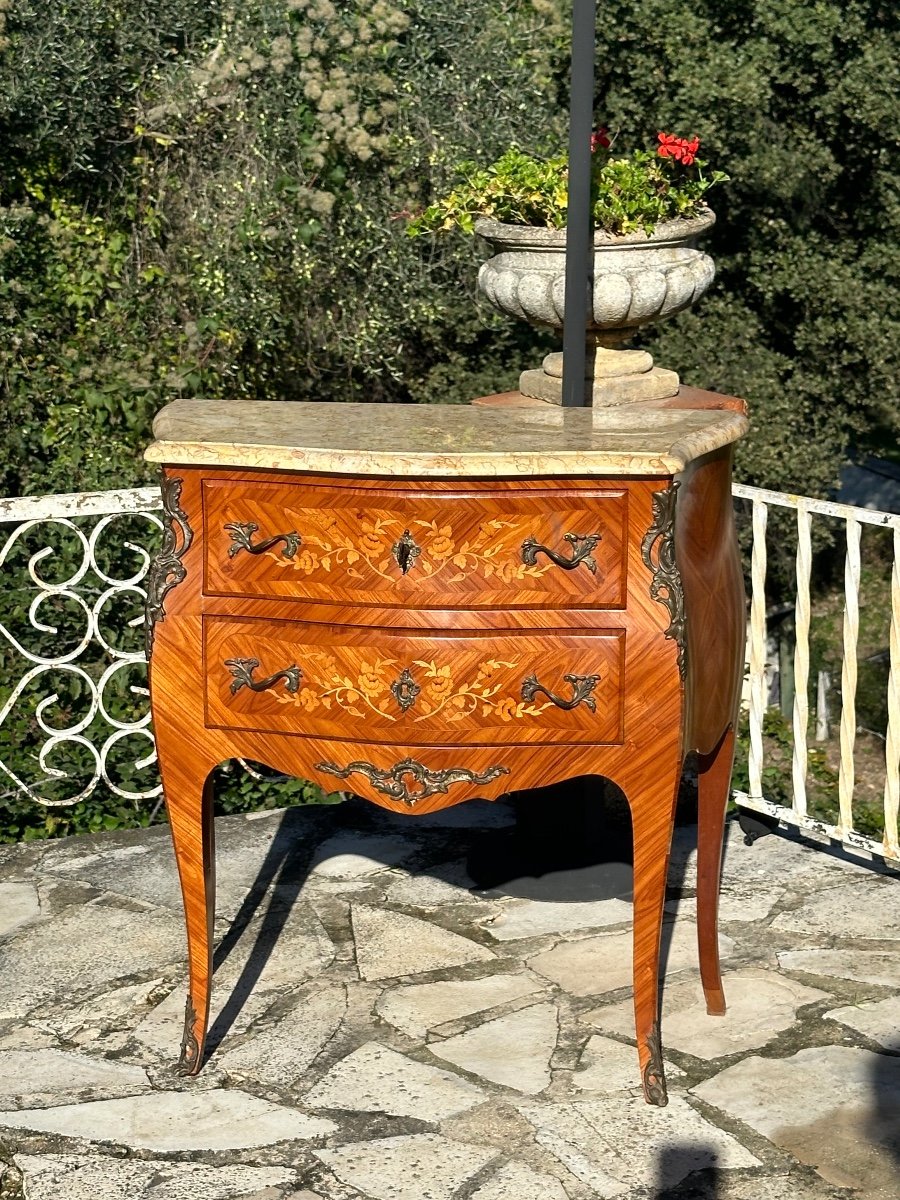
point(843, 829)
point(71, 611)
point(67, 646)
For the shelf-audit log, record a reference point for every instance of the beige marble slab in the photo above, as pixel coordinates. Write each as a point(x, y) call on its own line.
point(436, 440)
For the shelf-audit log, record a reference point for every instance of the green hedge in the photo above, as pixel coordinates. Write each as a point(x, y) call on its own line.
point(209, 204)
point(200, 198)
point(205, 200)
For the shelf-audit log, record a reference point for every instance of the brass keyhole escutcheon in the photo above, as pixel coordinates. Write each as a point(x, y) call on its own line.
point(406, 551)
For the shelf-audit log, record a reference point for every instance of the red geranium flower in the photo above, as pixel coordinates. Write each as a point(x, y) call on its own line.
point(600, 139)
point(683, 150)
point(669, 145)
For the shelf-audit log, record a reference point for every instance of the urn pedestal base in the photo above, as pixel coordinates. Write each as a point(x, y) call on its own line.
point(612, 377)
point(655, 384)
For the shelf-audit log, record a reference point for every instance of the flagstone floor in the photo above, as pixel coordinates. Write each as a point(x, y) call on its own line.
point(404, 1010)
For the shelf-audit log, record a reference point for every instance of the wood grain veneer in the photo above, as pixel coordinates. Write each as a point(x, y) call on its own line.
point(299, 663)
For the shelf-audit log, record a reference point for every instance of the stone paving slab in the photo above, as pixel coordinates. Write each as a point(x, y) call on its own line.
point(422, 1007)
point(20, 905)
point(168, 1121)
point(761, 1004)
point(41, 1078)
point(877, 1019)
point(596, 1140)
point(513, 1051)
point(446, 883)
point(864, 966)
point(417, 1167)
point(384, 1033)
point(83, 948)
point(834, 1107)
point(532, 918)
point(390, 943)
point(593, 965)
point(278, 1052)
point(607, 1066)
point(867, 908)
point(375, 1078)
point(517, 1182)
point(80, 1177)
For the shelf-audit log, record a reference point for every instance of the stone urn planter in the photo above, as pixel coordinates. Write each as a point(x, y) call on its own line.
point(638, 278)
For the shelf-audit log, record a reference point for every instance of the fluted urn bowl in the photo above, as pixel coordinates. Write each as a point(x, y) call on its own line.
point(638, 277)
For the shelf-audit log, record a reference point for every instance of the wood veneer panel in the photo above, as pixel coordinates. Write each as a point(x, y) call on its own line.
point(637, 656)
point(463, 548)
point(709, 562)
point(368, 684)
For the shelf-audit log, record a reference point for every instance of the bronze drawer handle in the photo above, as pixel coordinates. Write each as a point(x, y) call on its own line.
point(393, 783)
point(242, 669)
point(582, 687)
point(242, 533)
point(582, 545)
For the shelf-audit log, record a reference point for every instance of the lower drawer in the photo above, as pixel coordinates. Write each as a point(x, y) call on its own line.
point(367, 684)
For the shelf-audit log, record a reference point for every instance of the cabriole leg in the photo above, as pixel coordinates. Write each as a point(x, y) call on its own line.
point(652, 801)
point(713, 783)
point(189, 800)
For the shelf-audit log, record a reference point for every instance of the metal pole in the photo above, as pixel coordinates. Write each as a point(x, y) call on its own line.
point(579, 248)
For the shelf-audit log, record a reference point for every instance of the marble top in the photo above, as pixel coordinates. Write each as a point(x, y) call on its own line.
point(437, 440)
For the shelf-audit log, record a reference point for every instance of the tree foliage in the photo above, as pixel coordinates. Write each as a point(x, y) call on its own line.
point(204, 199)
point(797, 103)
point(206, 203)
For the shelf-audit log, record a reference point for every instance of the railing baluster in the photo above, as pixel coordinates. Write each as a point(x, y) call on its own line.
point(757, 645)
point(892, 741)
point(799, 762)
point(847, 771)
point(19, 515)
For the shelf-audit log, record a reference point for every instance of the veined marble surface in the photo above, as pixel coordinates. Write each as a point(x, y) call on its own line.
point(437, 440)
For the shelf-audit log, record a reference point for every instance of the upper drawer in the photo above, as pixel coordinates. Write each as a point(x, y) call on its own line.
point(414, 548)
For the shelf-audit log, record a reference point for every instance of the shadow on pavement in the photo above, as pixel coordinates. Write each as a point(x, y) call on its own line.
point(675, 1163)
point(571, 842)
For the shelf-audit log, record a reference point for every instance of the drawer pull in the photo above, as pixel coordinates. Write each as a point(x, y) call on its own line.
point(405, 690)
point(394, 783)
point(582, 687)
point(242, 533)
point(242, 669)
point(406, 551)
point(582, 545)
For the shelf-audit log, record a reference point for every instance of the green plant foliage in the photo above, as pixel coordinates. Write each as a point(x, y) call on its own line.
point(206, 203)
point(628, 193)
point(202, 198)
point(797, 103)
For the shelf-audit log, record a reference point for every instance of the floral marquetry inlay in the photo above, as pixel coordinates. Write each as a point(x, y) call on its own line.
point(492, 551)
point(417, 691)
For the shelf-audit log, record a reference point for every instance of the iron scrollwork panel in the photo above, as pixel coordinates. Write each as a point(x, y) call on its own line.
point(242, 669)
point(396, 782)
point(167, 569)
point(658, 554)
point(241, 534)
point(582, 689)
point(582, 546)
